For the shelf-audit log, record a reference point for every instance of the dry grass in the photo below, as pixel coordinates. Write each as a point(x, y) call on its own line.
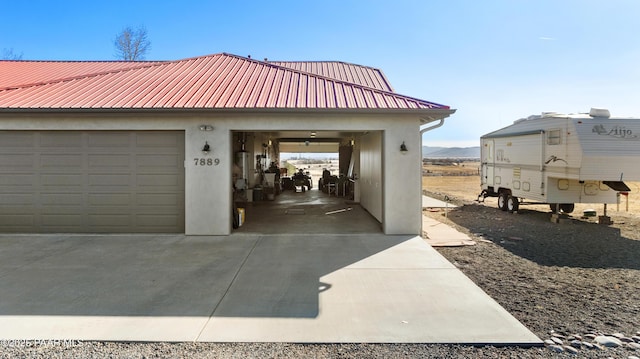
point(467, 188)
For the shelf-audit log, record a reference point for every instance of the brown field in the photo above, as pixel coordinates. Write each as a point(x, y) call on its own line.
point(461, 183)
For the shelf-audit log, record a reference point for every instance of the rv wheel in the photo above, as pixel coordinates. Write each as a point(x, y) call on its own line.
point(502, 201)
point(567, 207)
point(512, 204)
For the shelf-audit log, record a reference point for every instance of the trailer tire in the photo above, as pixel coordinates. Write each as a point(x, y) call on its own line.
point(567, 207)
point(552, 206)
point(512, 204)
point(502, 200)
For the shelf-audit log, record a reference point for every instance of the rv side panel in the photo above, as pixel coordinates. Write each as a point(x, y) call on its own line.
point(611, 149)
point(563, 190)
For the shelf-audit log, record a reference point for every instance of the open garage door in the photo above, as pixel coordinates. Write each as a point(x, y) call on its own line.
point(311, 202)
point(92, 181)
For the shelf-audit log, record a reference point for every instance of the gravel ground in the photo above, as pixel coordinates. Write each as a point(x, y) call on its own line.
point(568, 281)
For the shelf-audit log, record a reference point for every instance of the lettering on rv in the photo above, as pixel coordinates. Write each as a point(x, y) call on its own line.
point(615, 131)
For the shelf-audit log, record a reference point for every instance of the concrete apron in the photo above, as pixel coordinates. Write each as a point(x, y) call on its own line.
point(243, 288)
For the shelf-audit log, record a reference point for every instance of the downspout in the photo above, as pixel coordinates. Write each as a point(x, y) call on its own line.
point(433, 127)
point(422, 131)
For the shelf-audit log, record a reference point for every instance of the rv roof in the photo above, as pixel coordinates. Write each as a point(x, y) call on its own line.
point(594, 112)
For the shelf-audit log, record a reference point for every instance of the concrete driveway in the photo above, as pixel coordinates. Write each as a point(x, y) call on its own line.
point(243, 288)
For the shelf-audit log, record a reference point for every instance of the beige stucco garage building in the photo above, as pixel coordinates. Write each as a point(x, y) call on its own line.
point(123, 147)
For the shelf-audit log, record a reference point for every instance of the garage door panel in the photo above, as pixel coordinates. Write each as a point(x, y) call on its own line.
point(110, 190)
point(157, 140)
point(156, 210)
point(157, 180)
point(109, 199)
point(109, 162)
point(109, 210)
point(61, 180)
point(153, 225)
point(12, 220)
point(17, 140)
point(161, 161)
point(16, 199)
point(111, 180)
point(62, 220)
point(109, 140)
point(92, 181)
point(60, 162)
point(61, 139)
point(152, 171)
point(8, 183)
point(10, 162)
point(110, 220)
point(62, 209)
point(158, 199)
point(61, 199)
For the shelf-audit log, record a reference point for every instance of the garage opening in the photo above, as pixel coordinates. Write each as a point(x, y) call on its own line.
point(299, 182)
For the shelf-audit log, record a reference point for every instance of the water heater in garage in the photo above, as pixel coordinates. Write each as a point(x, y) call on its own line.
point(242, 160)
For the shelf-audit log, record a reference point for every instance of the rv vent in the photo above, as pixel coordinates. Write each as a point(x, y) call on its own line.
point(599, 112)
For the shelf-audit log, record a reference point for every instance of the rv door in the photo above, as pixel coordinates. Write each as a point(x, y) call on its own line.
point(488, 163)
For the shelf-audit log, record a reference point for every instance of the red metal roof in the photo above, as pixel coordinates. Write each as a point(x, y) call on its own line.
point(220, 81)
point(16, 73)
point(357, 74)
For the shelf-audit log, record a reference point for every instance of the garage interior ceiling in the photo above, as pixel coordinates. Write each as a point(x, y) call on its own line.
point(311, 141)
point(309, 147)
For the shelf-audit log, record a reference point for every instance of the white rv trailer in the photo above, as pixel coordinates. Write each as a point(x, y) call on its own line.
point(561, 160)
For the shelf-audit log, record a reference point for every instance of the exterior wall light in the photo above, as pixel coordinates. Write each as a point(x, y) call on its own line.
point(206, 148)
point(206, 128)
point(403, 148)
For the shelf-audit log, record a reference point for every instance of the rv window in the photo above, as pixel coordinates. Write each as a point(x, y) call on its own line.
point(554, 137)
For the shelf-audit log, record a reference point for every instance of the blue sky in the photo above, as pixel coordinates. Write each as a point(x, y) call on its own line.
point(493, 61)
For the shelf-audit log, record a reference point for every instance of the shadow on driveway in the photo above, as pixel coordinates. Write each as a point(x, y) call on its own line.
point(174, 275)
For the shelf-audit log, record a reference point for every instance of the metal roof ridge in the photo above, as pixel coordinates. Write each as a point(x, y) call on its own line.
point(328, 61)
point(343, 82)
point(382, 74)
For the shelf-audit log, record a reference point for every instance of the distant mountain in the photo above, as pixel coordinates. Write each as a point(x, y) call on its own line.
point(451, 152)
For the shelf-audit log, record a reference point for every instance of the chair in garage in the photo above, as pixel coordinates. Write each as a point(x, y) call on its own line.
point(331, 189)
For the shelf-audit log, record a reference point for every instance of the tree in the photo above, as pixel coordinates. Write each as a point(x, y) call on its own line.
point(8, 54)
point(132, 45)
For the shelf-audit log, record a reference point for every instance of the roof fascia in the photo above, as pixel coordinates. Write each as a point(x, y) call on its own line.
point(426, 115)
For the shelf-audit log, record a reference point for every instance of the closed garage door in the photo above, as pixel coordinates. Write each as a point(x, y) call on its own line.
point(92, 181)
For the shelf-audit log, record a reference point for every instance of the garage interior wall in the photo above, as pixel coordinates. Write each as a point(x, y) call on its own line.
point(371, 174)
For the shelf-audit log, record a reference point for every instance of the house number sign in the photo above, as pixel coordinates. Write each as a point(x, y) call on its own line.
point(206, 161)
